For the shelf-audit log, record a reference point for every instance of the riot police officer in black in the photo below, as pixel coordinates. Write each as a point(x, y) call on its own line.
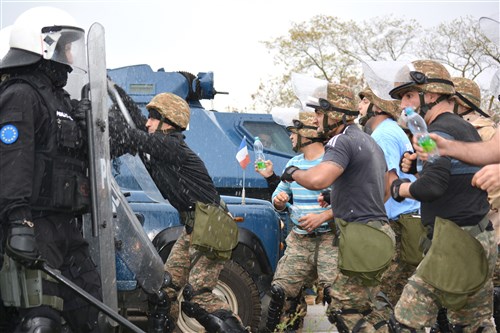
point(44, 187)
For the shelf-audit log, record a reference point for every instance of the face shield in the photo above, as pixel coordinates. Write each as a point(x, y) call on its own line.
point(308, 90)
point(381, 75)
point(65, 45)
point(285, 116)
point(490, 28)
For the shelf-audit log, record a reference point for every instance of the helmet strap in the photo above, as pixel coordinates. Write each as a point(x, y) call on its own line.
point(301, 144)
point(369, 113)
point(160, 125)
point(328, 128)
point(424, 107)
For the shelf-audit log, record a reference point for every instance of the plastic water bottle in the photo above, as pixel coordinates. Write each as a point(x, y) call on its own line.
point(295, 213)
point(258, 149)
point(418, 127)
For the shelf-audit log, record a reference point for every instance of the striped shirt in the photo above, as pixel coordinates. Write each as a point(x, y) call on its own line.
point(304, 199)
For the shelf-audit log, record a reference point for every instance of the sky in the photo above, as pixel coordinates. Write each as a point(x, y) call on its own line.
point(225, 36)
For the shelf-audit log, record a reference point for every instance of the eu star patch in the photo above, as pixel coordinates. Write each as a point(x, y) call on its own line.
point(9, 134)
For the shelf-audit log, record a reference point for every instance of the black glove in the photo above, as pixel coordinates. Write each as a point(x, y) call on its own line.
point(395, 188)
point(287, 174)
point(80, 110)
point(21, 243)
point(413, 167)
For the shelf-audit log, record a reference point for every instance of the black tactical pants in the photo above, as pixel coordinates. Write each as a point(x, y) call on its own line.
point(61, 244)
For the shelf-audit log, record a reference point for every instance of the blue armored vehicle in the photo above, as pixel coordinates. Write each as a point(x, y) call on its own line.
point(215, 136)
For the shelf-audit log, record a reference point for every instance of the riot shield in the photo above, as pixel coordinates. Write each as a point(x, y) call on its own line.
point(113, 221)
point(101, 238)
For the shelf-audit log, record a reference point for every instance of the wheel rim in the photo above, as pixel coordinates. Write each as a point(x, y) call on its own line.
point(188, 325)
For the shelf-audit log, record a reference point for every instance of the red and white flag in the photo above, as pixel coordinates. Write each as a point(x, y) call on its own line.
point(242, 155)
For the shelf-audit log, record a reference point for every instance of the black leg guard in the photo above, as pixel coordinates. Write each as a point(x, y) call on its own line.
point(295, 321)
point(442, 324)
point(39, 325)
point(275, 307)
point(326, 295)
point(159, 320)
point(496, 308)
point(220, 321)
point(335, 318)
point(396, 327)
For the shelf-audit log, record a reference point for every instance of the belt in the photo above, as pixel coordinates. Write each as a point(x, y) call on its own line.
point(483, 225)
point(187, 216)
point(316, 233)
point(475, 230)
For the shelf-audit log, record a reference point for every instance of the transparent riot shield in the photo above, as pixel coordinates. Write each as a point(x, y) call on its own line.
point(113, 221)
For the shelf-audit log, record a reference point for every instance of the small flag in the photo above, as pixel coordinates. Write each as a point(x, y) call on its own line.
point(242, 155)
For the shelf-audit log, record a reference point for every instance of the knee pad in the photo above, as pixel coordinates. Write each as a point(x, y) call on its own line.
point(220, 321)
point(159, 319)
point(39, 325)
point(188, 293)
point(327, 299)
point(275, 306)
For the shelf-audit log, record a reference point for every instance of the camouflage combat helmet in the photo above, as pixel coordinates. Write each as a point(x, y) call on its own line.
point(423, 76)
point(468, 89)
point(173, 108)
point(305, 125)
point(467, 95)
point(339, 103)
point(391, 107)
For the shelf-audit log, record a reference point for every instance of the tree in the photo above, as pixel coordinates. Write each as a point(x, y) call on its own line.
point(331, 49)
point(463, 47)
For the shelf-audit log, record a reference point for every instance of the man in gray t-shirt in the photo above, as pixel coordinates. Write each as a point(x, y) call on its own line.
point(357, 194)
point(354, 165)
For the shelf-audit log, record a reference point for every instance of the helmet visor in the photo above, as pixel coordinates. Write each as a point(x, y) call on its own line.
point(65, 45)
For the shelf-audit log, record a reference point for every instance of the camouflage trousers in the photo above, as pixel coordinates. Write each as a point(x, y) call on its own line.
point(418, 305)
point(398, 273)
point(306, 260)
point(349, 294)
point(188, 265)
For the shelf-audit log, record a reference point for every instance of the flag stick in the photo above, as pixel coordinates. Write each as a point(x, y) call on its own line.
point(243, 191)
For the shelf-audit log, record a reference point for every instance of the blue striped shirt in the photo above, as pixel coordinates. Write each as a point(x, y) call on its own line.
point(306, 200)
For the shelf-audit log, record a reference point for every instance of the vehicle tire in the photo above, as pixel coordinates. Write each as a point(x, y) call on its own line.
point(236, 286)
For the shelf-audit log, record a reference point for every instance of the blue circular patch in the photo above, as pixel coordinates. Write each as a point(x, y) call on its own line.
point(9, 134)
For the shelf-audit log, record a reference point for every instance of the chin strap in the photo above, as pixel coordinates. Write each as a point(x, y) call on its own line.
point(369, 113)
point(426, 107)
point(300, 145)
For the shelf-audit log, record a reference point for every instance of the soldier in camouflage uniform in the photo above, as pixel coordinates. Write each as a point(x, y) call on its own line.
point(456, 271)
point(183, 179)
point(381, 116)
point(310, 254)
point(355, 167)
point(468, 106)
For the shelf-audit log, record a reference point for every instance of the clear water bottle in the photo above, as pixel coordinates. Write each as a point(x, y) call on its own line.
point(418, 127)
point(258, 149)
point(295, 213)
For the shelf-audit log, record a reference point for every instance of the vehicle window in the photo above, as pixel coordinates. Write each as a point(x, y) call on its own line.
point(272, 135)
